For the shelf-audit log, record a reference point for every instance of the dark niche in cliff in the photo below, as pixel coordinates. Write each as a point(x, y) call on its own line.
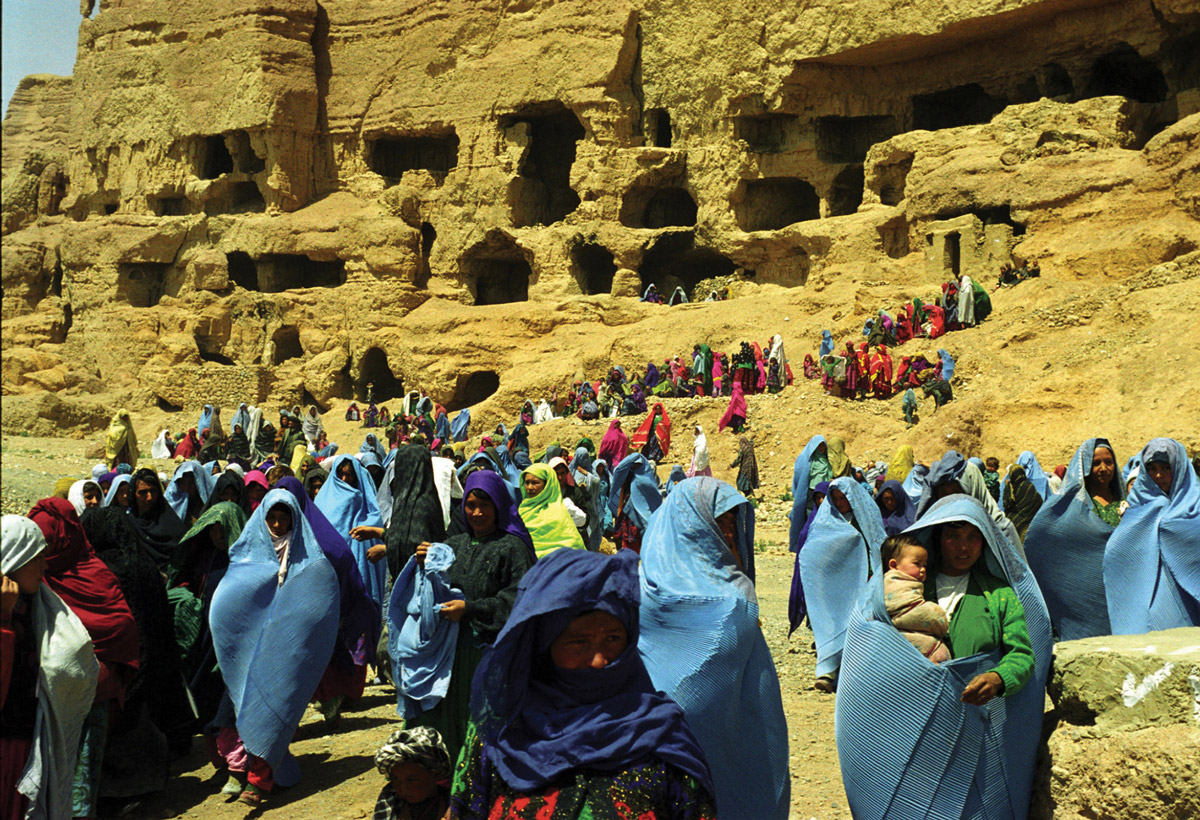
point(594, 267)
point(471, 389)
point(496, 271)
point(541, 194)
point(770, 204)
point(674, 261)
point(374, 369)
point(285, 271)
point(1125, 73)
point(953, 107)
point(767, 133)
point(847, 192)
point(658, 208)
point(287, 344)
point(847, 139)
point(141, 284)
point(391, 156)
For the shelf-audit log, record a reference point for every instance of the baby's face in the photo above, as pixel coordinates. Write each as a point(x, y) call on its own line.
point(911, 562)
point(413, 782)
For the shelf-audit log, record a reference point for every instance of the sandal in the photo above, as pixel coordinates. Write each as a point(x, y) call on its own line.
point(251, 796)
point(233, 786)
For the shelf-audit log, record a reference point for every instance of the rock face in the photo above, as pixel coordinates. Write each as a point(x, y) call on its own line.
point(1127, 737)
point(303, 197)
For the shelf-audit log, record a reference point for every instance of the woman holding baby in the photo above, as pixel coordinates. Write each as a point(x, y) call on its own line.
point(962, 723)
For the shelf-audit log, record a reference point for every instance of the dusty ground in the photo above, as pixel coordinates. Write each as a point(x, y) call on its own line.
point(340, 782)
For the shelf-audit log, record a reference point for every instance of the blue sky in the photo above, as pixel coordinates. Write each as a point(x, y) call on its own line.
point(39, 37)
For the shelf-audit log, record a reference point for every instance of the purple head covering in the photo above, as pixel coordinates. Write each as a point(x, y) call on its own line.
point(539, 727)
point(495, 488)
point(360, 621)
point(905, 513)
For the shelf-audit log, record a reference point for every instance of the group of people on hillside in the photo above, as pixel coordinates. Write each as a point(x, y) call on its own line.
point(679, 296)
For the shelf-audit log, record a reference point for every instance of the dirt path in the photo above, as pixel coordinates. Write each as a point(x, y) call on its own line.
point(340, 782)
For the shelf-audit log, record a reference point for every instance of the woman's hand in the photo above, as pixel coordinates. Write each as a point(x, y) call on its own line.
point(422, 551)
point(365, 533)
point(982, 689)
point(454, 610)
point(9, 592)
point(376, 553)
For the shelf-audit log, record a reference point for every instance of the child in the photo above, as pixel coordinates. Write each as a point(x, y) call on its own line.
point(991, 477)
point(923, 622)
point(417, 766)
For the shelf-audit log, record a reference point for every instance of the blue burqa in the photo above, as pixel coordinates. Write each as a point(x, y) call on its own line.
point(703, 647)
point(927, 754)
point(176, 498)
point(421, 642)
point(241, 416)
point(1152, 561)
point(1033, 472)
point(588, 484)
point(800, 491)
point(826, 344)
point(348, 507)
point(797, 607)
point(274, 632)
point(834, 564)
point(947, 364)
point(371, 445)
point(1065, 546)
point(644, 497)
point(205, 420)
point(461, 426)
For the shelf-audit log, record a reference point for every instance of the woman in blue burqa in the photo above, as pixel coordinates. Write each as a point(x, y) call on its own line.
point(842, 541)
point(954, 740)
point(1065, 543)
point(274, 620)
point(1152, 562)
point(702, 644)
point(348, 499)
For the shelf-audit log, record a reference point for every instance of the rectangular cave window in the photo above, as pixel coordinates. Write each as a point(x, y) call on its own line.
point(847, 139)
point(242, 269)
point(170, 205)
point(391, 156)
point(280, 272)
point(962, 105)
point(594, 268)
point(952, 260)
point(542, 194)
point(141, 284)
point(658, 127)
point(767, 133)
point(501, 281)
point(216, 158)
point(770, 204)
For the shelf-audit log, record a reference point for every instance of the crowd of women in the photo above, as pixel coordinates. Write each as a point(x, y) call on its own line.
point(536, 675)
point(962, 583)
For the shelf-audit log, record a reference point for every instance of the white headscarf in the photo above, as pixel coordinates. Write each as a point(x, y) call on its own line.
point(159, 448)
point(75, 494)
point(67, 673)
point(699, 450)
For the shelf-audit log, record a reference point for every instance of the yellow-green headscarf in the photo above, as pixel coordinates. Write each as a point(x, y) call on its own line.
point(549, 524)
point(121, 436)
point(839, 462)
point(901, 464)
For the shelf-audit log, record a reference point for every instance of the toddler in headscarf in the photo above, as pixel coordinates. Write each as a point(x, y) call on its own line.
point(417, 766)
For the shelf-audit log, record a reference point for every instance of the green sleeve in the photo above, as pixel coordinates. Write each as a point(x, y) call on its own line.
point(1017, 661)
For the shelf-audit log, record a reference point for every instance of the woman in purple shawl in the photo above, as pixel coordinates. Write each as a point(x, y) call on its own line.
point(565, 713)
point(489, 561)
point(896, 507)
point(359, 619)
point(652, 376)
point(796, 606)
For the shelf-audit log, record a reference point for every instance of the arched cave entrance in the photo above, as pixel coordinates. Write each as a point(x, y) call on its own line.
point(594, 267)
point(471, 389)
point(674, 261)
point(287, 344)
point(1057, 82)
point(374, 368)
point(962, 105)
point(847, 192)
point(1126, 73)
point(496, 271)
point(670, 207)
point(771, 204)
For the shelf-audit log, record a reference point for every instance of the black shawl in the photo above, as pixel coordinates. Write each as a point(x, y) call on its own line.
point(416, 509)
point(159, 530)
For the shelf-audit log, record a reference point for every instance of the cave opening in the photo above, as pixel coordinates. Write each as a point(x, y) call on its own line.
point(242, 269)
point(428, 237)
point(893, 238)
point(847, 139)
point(953, 107)
point(670, 207)
point(766, 133)
point(542, 194)
point(847, 192)
point(1000, 215)
point(141, 284)
point(594, 268)
point(391, 156)
point(167, 406)
point(1126, 73)
point(217, 159)
point(287, 344)
point(658, 127)
point(471, 389)
point(170, 205)
point(674, 261)
point(245, 160)
point(892, 179)
point(952, 261)
point(496, 271)
point(284, 271)
point(770, 204)
point(1057, 82)
point(374, 369)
